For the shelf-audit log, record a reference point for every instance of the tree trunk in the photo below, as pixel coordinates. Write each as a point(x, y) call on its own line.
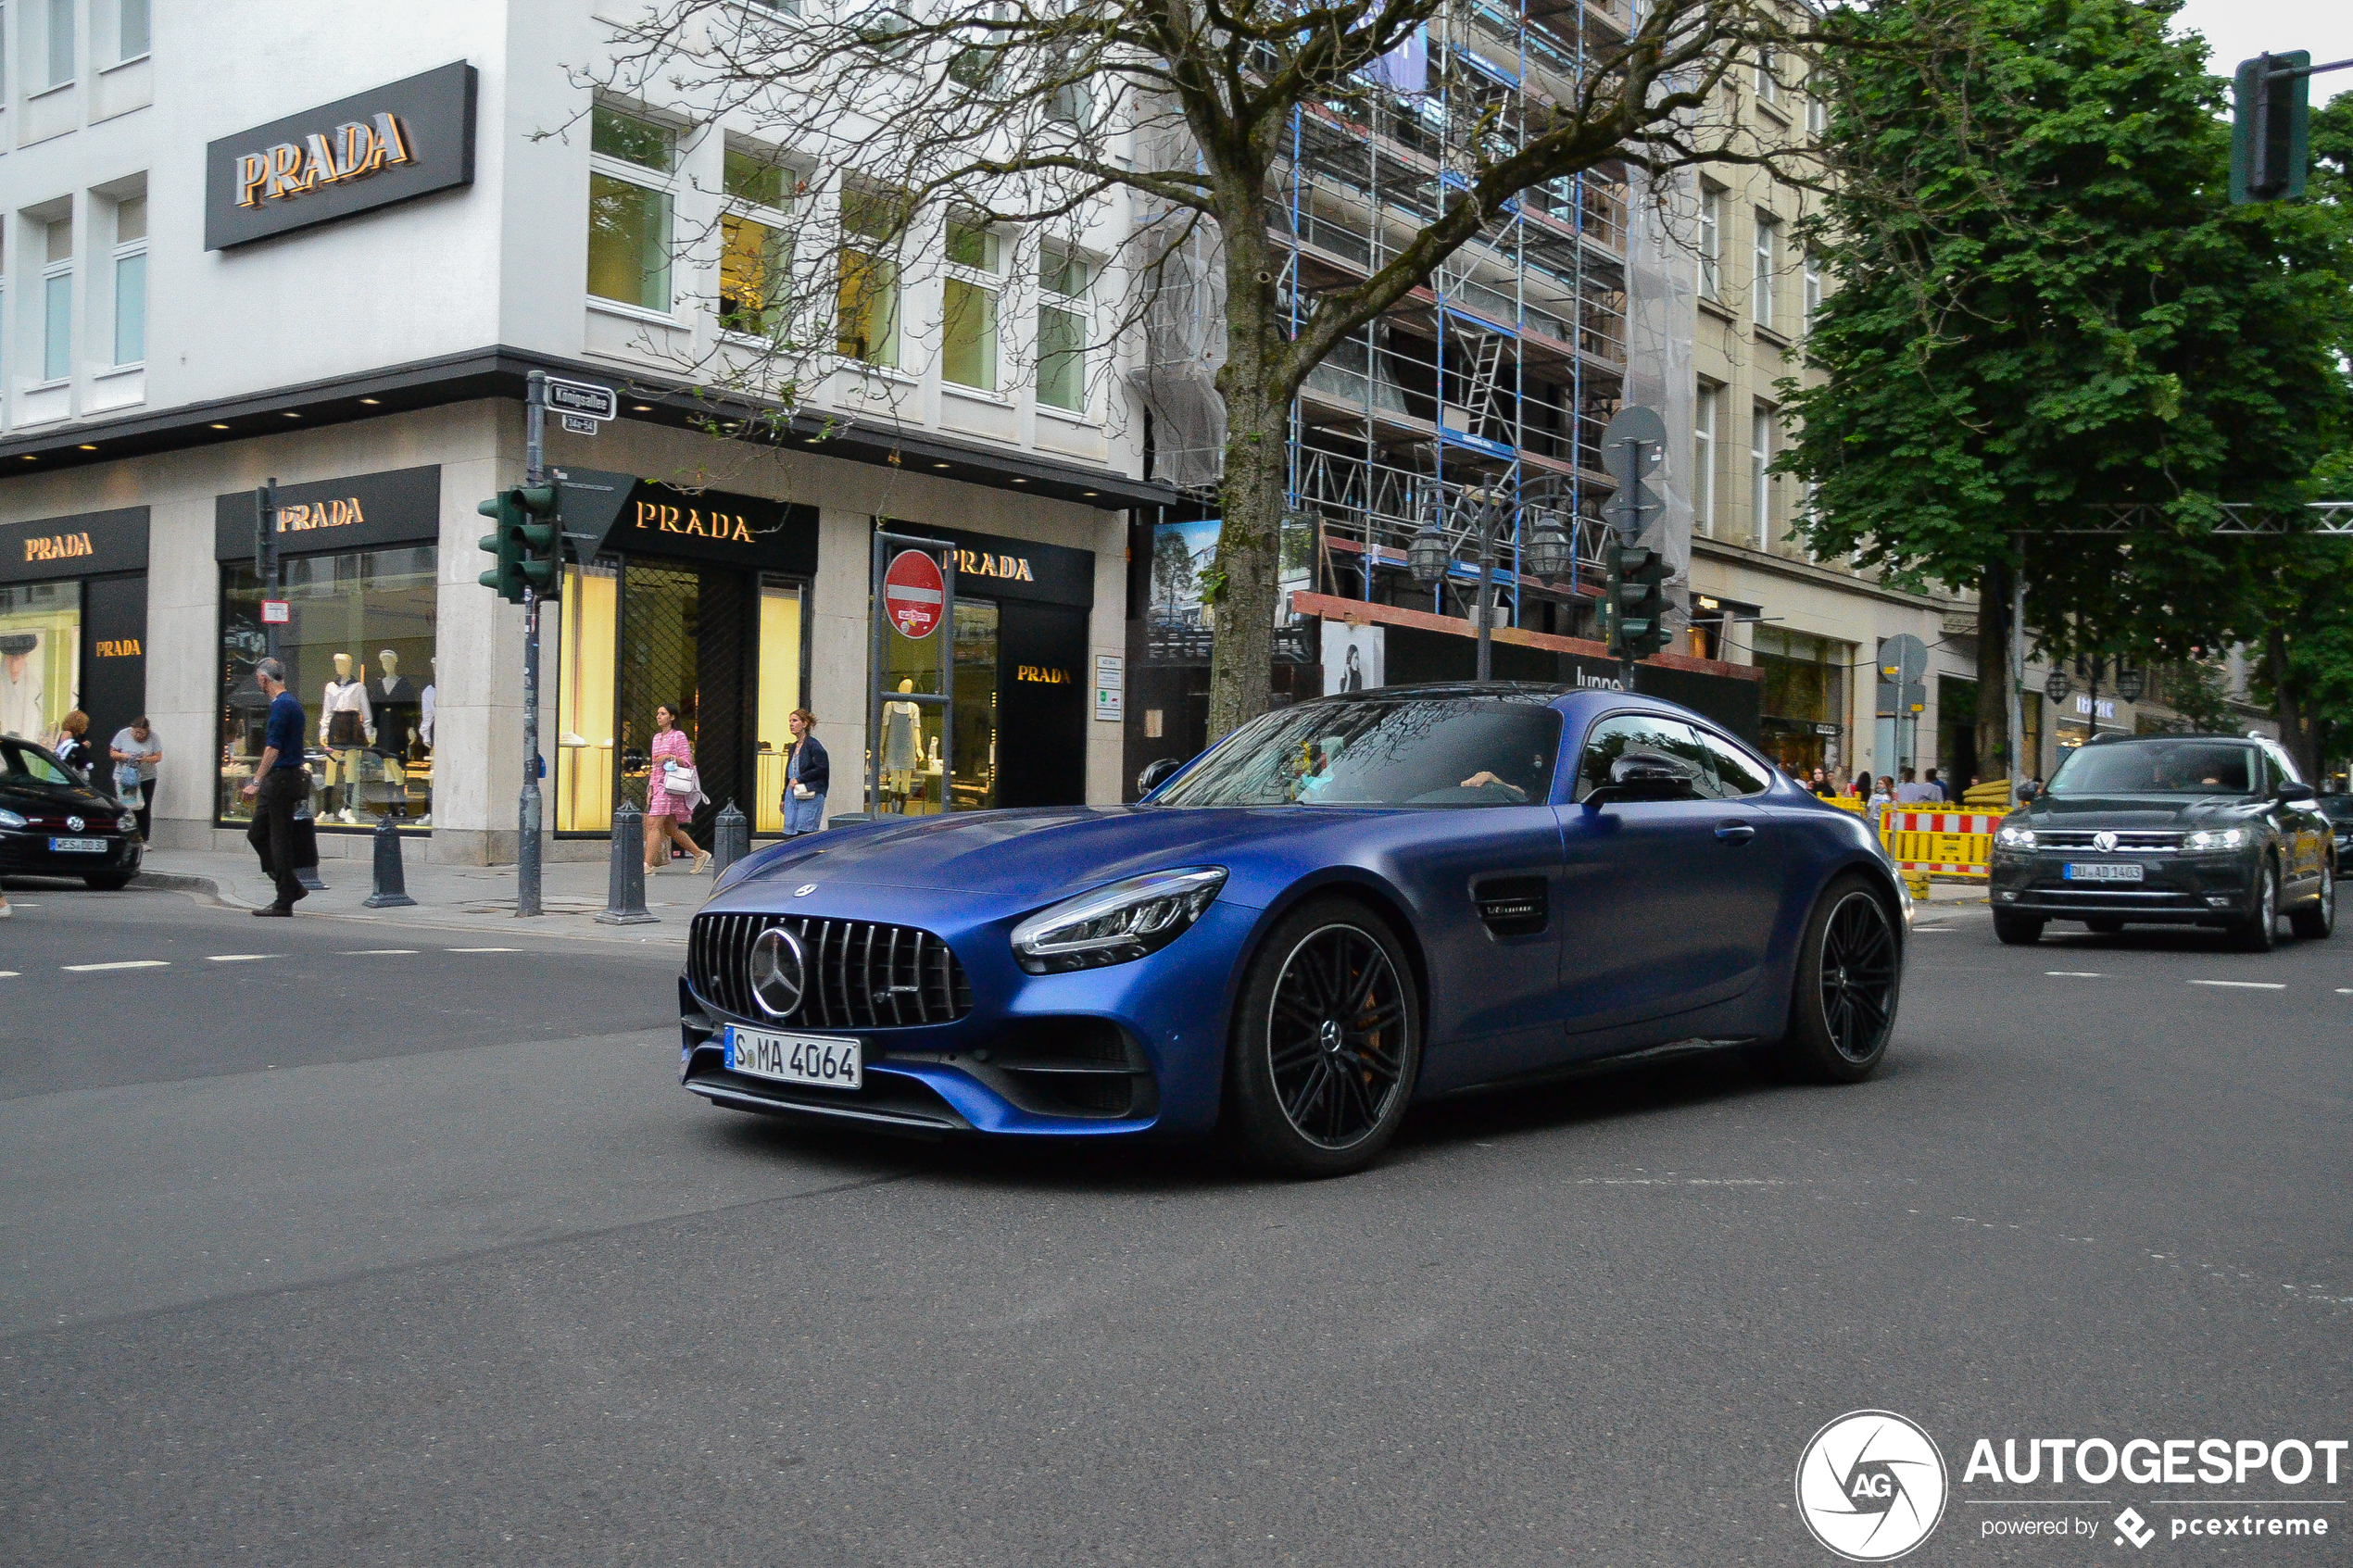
point(2295, 722)
point(1241, 665)
point(1994, 633)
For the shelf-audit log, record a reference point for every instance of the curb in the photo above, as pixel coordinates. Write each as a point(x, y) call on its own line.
point(175, 882)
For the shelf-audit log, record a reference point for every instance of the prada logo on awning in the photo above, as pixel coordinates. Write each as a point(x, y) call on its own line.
point(352, 151)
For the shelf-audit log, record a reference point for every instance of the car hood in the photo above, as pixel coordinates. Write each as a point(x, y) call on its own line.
point(1031, 856)
point(2140, 811)
point(50, 798)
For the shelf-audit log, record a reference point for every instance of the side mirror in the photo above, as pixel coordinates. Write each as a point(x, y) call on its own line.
point(1648, 775)
point(2027, 790)
point(1156, 774)
point(2298, 791)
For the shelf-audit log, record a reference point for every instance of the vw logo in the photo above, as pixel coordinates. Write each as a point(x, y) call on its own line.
point(804, 890)
point(777, 972)
point(73, 824)
point(2105, 843)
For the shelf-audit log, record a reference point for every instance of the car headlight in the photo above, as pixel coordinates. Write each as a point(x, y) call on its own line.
point(2216, 838)
point(2015, 838)
point(1116, 924)
point(10, 820)
point(128, 822)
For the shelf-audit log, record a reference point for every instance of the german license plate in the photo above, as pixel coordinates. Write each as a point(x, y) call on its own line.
point(796, 1059)
point(2101, 873)
point(77, 847)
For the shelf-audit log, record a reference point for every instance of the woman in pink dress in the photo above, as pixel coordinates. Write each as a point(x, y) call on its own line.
point(668, 809)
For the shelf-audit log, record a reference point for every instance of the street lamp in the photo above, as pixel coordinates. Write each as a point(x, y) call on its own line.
point(1548, 552)
point(1427, 555)
point(2131, 683)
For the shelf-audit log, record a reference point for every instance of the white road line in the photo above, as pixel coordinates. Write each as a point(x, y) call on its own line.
point(240, 958)
point(2075, 974)
point(373, 952)
point(482, 949)
point(127, 963)
point(2246, 985)
point(9, 973)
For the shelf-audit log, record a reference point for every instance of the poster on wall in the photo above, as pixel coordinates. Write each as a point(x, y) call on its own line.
point(1178, 627)
point(1351, 658)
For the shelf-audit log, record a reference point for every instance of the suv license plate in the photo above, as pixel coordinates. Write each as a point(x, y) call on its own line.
point(77, 847)
point(796, 1059)
point(2105, 873)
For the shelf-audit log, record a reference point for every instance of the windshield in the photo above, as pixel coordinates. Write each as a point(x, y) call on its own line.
point(1401, 751)
point(2159, 767)
point(21, 764)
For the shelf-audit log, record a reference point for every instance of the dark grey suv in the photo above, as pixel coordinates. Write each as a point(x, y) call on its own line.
point(2195, 830)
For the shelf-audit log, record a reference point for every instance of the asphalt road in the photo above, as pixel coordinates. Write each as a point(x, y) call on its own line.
point(340, 1255)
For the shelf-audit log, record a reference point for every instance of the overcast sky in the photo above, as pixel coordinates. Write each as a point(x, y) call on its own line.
point(2240, 30)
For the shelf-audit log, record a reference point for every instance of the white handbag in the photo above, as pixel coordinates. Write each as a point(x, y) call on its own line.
point(681, 780)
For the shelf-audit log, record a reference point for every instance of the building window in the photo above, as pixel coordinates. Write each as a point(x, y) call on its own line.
point(1711, 241)
point(60, 42)
point(752, 247)
point(131, 280)
point(866, 300)
point(629, 220)
point(131, 31)
point(57, 303)
point(1767, 246)
point(1064, 278)
point(1818, 117)
point(1768, 86)
point(968, 353)
point(1802, 696)
point(1812, 284)
point(40, 656)
point(1760, 460)
point(1704, 459)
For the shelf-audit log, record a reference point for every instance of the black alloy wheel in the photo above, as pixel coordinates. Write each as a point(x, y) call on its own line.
point(2259, 932)
point(1327, 1043)
point(2013, 930)
point(1849, 977)
point(2314, 921)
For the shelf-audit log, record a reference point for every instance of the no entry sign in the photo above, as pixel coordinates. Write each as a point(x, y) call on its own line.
point(912, 593)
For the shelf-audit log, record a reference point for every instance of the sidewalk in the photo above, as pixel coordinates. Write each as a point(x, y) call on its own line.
point(448, 898)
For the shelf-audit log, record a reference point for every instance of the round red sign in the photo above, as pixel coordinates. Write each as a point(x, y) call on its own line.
point(912, 594)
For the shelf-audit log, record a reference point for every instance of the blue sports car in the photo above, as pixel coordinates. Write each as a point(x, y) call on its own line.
point(1343, 908)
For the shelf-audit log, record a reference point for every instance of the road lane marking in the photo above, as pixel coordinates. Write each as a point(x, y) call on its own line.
point(9, 973)
point(127, 963)
point(2246, 985)
point(2075, 974)
point(373, 952)
point(240, 958)
point(482, 949)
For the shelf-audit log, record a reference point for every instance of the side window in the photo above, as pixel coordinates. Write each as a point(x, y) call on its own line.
point(1614, 737)
point(1737, 774)
point(2283, 765)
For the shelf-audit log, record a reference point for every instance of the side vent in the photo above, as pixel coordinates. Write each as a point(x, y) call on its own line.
point(1512, 906)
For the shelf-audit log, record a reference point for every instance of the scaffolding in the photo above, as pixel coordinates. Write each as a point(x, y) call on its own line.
point(1502, 371)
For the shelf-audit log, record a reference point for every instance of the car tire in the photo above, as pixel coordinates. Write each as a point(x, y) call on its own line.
point(2016, 931)
point(1325, 1045)
point(1850, 973)
point(2313, 921)
point(2107, 925)
point(2259, 932)
point(113, 881)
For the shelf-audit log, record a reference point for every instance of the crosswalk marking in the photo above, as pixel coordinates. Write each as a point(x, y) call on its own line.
point(126, 963)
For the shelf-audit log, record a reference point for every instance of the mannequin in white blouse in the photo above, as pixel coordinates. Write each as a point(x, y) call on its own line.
point(346, 728)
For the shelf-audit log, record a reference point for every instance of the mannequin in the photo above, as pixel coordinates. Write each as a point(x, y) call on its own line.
point(424, 718)
point(423, 749)
point(395, 701)
point(902, 750)
point(346, 727)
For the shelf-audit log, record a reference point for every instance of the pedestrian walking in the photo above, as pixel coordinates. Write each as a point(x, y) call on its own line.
point(280, 783)
point(1936, 786)
point(1911, 792)
point(807, 772)
point(72, 748)
point(1882, 795)
point(135, 752)
point(1861, 789)
point(672, 791)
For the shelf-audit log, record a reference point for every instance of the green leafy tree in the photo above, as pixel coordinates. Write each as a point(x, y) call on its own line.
point(2047, 306)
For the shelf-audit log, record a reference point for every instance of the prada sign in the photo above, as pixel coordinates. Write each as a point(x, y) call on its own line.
point(391, 144)
point(81, 546)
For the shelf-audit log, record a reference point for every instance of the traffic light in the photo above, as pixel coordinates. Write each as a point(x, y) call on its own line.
point(523, 543)
point(2270, 127)
point(1634, 600)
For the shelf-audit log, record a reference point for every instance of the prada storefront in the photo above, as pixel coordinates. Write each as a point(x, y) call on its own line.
point(696, 600)
point(1023, 685)
point(73, 625)
point(357, 564)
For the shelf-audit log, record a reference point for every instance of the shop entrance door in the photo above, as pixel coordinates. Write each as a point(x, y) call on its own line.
point(661, 632)
point(1042, 695)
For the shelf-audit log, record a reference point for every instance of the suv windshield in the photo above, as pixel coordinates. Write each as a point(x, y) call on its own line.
point(1391, 751)
point(2159, 767)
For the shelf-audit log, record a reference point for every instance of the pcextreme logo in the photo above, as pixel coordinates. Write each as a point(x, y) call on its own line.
point(1870, 1486)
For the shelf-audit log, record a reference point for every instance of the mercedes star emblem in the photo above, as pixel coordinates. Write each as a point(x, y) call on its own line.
point(804, 889)
point(2105, 843)
point(777, 972)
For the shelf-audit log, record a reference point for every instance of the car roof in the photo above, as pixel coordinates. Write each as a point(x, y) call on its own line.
point(2199, 736)
point(1572, 700)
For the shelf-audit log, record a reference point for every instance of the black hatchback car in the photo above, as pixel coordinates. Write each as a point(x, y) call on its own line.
point(2195, 830)
point(53, 824)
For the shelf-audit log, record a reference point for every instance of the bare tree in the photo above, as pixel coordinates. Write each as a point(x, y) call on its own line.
point(926, 133)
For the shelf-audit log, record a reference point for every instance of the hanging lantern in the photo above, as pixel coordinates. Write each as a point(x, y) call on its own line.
point(1548, 552)
point(1427, 555)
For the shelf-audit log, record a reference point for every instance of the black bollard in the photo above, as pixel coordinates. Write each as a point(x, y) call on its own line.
point(626, 895)
point(392, 886)
point(730, 838)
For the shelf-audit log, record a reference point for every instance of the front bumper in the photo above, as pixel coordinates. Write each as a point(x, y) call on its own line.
point(26, 852)
point(1126, 1049)
point(2174, 889)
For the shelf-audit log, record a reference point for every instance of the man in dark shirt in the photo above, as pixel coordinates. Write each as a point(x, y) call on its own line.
point(279, 784)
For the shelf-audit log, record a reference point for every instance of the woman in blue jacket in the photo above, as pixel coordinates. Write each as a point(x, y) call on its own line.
point(806, 775)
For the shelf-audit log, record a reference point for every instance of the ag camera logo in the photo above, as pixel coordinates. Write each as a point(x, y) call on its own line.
point(1870, 1486)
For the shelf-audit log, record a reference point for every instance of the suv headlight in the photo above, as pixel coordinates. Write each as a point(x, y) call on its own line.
point(2216, 838)
point(1116, 924)
point(10, 820)
point(2015, 838)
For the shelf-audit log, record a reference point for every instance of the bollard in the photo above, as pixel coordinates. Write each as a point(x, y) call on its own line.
point(730, 838)
point(625, 895)
point(392, 886)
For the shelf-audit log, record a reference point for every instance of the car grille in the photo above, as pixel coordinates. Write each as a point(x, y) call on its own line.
point(2128, 841)
point(861, 974)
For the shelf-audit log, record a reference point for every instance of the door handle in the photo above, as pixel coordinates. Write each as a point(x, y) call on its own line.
point(1735, 832)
